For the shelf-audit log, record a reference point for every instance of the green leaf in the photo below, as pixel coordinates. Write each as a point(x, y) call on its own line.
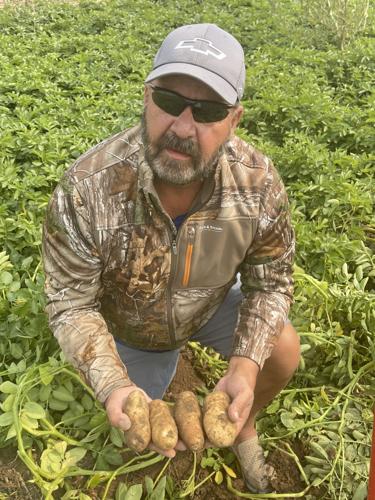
point(74, 455)
point(8, 403)
point(273, 407)
point(361, 492)
point(53, 362)
point(134, 492)
point(149, 483)
point(102, 464)
point(287, 419)
point(11, 432)
point(14, 286)
point(16, 351)
point(62, 394)
point(95, 480)
point(112, 456)
point(159, 491)
point(98, 419)
point(219, 477)
point(45, 374)
point(8, 387)
point(87, 402)
point(59, 447)
point(298, 410)
point(351, 453)
point(75, 495)
point(44, 392)
point(50, 462)
point(289, 399)
point(34, 410)
point(116, 437)
point(170, 487)
point(25, 264)
point(208, 462)
point(121, 491)
point(29, 421)
point(55, 404)
point(229, 471)
point(6, 278)
point(6, 419)
point(319, 450)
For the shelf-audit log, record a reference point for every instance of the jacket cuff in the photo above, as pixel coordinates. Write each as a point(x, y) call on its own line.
point(259, 360)
point(106, 391)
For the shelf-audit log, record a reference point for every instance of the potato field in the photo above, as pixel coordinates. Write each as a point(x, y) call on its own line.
point(71, 74)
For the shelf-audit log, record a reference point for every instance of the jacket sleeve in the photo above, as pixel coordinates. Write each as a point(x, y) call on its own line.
point(266, 275)
point(73, 269)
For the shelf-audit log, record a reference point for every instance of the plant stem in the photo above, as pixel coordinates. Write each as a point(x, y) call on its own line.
point(300, 494)
point(126, 469)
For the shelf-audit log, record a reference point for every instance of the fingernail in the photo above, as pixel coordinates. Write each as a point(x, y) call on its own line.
point(124, 423)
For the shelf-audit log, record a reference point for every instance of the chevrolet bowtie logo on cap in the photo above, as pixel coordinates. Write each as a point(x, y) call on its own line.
point(197, 44)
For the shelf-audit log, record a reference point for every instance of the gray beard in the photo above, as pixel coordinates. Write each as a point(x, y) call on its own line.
point(175, 171)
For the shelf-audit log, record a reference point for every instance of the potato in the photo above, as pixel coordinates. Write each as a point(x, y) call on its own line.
point(163, 427)
point(188, 416)
point(220, 430)
point(138, 437)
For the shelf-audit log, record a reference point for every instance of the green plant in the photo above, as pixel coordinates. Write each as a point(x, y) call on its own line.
point(344, 19)
point(72, 74)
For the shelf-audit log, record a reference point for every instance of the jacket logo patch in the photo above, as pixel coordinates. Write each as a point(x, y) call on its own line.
point(210, 227)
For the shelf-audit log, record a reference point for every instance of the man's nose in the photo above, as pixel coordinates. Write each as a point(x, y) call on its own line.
point(184, 124)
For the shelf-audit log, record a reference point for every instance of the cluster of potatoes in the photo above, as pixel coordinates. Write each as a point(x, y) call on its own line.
point(156, 422)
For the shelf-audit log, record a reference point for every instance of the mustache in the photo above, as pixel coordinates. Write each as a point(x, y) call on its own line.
point(186, 146)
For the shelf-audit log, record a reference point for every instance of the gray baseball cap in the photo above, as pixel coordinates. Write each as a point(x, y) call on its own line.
point(205, 52)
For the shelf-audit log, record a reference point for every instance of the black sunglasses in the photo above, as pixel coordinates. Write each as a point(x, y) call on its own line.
point(203, 111)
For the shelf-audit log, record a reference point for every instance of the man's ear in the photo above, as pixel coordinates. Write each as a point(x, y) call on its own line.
point(146, 95)
point(236, 116)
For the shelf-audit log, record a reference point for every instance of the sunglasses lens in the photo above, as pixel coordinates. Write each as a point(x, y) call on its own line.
point(203, 111)
point(207, 112)
point(169, 102)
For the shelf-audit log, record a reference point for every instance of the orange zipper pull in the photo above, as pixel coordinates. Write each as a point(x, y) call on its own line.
point(188, 256)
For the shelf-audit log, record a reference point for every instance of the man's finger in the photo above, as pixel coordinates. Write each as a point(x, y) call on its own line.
point(239, 408)
point(180, 446)
point(124, 422)
point(165, 453)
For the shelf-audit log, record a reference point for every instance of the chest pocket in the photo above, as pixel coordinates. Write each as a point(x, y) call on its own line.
point(212, 251)
point(138, 264)
point(147, 263)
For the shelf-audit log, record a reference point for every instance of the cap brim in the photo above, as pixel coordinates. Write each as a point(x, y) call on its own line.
point(215, 82)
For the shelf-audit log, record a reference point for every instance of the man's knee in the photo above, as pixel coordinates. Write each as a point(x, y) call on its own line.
point(285, 356)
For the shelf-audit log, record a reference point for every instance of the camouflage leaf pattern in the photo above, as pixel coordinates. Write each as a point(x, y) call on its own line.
point(111, 270)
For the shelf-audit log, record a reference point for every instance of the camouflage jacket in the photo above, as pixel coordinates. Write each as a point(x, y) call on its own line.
point(116, 266)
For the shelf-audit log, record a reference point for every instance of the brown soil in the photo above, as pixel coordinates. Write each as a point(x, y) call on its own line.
point(14, 476)
point(287, 474)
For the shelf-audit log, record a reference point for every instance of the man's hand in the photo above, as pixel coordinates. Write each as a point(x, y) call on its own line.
point(239, 383)
point(116, 402)
point(118, 418)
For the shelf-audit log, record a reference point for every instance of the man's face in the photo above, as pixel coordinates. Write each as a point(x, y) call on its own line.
point(179, 149)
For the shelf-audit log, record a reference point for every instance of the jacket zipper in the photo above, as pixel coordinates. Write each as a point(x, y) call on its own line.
point(186, 275)
point(173, 239)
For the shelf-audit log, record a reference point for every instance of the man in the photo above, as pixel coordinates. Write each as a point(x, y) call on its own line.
point(148, 231)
